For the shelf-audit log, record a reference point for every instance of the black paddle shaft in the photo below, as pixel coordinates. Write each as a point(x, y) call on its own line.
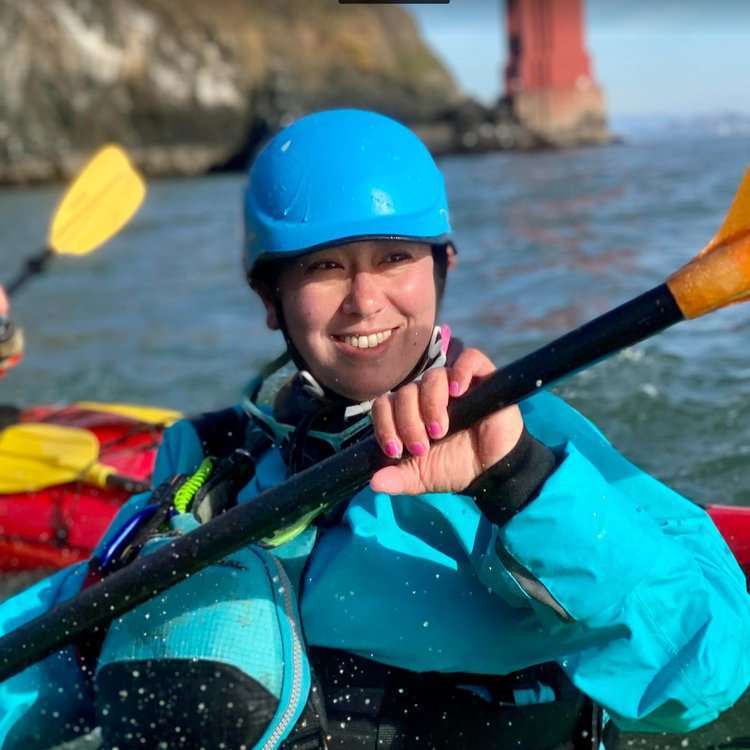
point(34, 265)
point(323, 485)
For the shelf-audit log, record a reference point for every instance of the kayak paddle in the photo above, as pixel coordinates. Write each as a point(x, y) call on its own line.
point(718, 276)
point(102, 199)
point(34, 456)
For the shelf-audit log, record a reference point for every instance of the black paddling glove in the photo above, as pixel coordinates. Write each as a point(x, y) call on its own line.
point(510, 484)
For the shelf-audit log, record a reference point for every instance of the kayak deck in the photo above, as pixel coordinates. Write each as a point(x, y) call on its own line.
point(61, 524)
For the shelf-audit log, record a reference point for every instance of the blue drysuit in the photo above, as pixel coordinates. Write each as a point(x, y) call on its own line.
point(621, 581)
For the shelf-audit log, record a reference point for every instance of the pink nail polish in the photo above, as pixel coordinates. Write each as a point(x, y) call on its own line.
point(417, 449)
point(392, 449)
point(454, 388)
point(434, 429)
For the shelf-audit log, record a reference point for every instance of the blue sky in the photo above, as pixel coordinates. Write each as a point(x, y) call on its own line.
point(653, 57)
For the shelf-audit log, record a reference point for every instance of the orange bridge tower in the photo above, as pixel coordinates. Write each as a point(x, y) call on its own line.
point(548, 77)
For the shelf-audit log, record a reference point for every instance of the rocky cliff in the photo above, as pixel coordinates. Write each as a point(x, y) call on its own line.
point(195, 85)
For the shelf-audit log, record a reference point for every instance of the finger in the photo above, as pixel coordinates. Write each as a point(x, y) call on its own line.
point(397, 480)
point(433, 402)
point(384, 427)
point(388, 480)
point(408, 418)
point(470, 364)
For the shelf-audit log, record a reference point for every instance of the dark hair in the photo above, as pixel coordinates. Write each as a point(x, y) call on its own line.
point(440, 269)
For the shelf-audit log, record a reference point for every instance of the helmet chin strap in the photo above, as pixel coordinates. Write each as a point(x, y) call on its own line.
point(434, 356)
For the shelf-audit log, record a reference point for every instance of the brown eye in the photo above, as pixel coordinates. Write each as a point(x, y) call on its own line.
point(322, 265)
point(398, 257)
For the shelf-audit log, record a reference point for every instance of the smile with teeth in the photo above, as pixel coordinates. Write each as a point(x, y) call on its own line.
point(366, 342)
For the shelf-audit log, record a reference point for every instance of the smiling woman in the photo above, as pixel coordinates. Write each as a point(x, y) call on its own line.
point(495, 588)
point(383, 249)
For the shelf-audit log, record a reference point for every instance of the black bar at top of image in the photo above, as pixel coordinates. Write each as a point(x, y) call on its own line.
point(394, 2)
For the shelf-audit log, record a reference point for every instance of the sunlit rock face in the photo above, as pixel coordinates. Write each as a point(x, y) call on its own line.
point(193, 85)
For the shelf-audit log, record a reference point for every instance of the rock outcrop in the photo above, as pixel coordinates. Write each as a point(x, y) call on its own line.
point(197, 85)
point(193, 85)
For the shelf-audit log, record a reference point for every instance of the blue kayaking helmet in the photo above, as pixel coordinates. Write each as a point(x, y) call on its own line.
point(337, 176)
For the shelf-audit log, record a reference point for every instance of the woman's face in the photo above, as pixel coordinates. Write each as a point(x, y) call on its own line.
point(361, 314)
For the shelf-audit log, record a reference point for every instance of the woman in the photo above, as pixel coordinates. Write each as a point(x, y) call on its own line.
point(483, 593)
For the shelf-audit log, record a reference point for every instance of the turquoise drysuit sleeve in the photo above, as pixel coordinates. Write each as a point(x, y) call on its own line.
point(647, 594)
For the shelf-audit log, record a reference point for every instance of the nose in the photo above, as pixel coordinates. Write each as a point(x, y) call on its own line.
point(365, 296)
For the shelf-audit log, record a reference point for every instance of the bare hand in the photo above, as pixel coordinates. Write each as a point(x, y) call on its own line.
point(406, 419)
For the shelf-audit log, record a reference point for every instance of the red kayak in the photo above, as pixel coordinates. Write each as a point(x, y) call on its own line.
point(56, 526)
point(733, 521)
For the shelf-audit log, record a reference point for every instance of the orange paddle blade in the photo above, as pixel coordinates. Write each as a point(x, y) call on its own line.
point(720, 274)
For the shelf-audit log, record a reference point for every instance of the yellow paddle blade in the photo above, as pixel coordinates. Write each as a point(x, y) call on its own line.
point(34, 456)
point(148, 414)
point(720, 274)
point(101, 200)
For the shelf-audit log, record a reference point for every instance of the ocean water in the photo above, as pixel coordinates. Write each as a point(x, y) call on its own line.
point(161, 315)
point(546, 241)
